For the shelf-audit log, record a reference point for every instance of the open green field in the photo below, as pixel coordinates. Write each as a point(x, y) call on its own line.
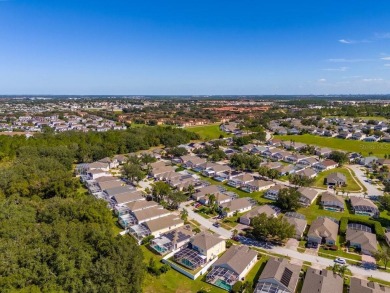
point(378, 149)
point(172, 281)
point(352, 185)
point(379, 118)
point(207, 132)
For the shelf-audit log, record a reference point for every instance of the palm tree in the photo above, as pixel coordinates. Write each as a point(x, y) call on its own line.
point(190, 190)
point(184, 215)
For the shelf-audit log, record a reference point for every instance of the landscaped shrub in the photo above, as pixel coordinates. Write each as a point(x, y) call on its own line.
point(375, 225)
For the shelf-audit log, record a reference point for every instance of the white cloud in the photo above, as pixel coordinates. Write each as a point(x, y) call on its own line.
point(343, 41)
point(322, 80)
point(385, 58)
point(343, 68)
point(372, 79)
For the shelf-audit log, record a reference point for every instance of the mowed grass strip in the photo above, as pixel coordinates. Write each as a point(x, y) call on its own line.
point(352, 185)
point(208, 132)
point(378, 149)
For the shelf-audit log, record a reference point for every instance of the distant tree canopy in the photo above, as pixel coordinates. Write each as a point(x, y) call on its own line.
point(245, 161)
point(54, 237)
point(339, 157)
point(271, 228)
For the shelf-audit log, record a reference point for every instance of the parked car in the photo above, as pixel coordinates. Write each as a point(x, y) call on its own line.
point(217, 225)
point(340, 260)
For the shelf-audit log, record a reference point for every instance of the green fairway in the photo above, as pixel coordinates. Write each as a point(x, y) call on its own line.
point(352, 185)
point(207, 132)
point(378, 149)
point(172, 281)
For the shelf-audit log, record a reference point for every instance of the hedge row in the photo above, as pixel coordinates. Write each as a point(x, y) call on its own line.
point(370, 223)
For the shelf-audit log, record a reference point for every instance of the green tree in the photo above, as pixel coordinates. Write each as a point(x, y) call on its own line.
point(288, 199)
point(272, 228)
point(133, 172)
point(383, 255)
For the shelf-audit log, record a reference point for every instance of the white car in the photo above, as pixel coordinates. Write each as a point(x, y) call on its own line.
point(340, 261)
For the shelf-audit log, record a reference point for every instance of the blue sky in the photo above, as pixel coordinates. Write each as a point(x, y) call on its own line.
point(194, 47)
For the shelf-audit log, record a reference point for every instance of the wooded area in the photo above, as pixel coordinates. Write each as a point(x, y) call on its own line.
point(54, 237)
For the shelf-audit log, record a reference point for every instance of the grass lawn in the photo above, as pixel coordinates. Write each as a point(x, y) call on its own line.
point(352, 185)
point(377, 148)
point(255, 272)
point(340, 253)
point(207, 132)
point(386, 283)
point(172, 281)
point(315, 210)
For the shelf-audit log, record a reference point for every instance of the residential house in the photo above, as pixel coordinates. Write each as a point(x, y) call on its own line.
point(163, 225)
point(208, 244)
point(99, 165)
point(240, 180)
point(286, 169)
point(308, 195)
point(344, 134)
point(149, 214)
point(272, 192)
point(323, 230)
point(96, 173)
point(372, 138)
point(323, 152)
point(220, 198)
point(358, 136)
point(211, 189)
point(239, 205)
point(110, 192)
point(127, 197)
point(275, 142)
point(192, 161)
point(368, 161)
point(307, 173)
point(295, 158)
point(232, 266)
point(160, 171)
point(298, 221)
point(332, 202)
point(269, 210)
point(112, 162)
point(336, 179)
point(110, 184)
point(258, 185)
point(230, 127)
point(172, 240)
point(308, 162)
point(358, 236)
point(278, 275)
point(364, 286)
point(325, 165)
point(322, 281)
point(364, 206)
point(218, 171)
